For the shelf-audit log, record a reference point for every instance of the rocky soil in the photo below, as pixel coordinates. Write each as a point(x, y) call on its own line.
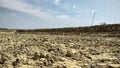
point(59, 51)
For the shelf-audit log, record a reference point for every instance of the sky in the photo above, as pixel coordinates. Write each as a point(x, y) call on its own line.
point(35, 14)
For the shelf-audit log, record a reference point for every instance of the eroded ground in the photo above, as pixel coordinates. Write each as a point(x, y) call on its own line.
point(59, 51)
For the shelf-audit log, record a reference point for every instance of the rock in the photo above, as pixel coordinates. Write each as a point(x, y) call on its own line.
point(44, 55)
point(26, 66)
point(71, 52)
point(68, 54)
point(113, 65)
point(36, 56)
point(3, 59)
point(45, 63)
point(67, 64)
point(15, 63)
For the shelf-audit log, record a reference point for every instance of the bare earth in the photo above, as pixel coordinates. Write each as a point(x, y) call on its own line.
point(59, 51)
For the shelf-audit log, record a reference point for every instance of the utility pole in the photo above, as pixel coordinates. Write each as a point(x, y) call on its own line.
point(93, 18)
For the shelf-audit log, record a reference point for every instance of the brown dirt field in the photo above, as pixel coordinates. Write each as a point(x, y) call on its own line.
point(59, 51)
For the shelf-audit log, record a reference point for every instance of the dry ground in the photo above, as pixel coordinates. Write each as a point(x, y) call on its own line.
point(59, 51)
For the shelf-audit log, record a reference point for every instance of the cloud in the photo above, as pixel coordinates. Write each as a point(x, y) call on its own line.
point(93, 11)
point(17, 5)
point(37, 1)
point(74, 6)
point(62, 17)
point(13, 15)
point(67, 19)
point(23, 7)
point(66, 6)
point(56, 2)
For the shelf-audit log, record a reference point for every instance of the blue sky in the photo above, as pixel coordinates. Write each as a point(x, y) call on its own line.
point(28, 14)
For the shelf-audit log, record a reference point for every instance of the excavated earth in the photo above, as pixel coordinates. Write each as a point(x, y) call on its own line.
point(28, 50)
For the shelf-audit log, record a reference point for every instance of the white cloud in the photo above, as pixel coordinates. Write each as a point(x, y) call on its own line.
point(62, 17)
point(67, 19)
point(20, 6)
point(74, 6)
point(93, 11)
point(17, 5)
point(56, 2)
point(66, 6)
